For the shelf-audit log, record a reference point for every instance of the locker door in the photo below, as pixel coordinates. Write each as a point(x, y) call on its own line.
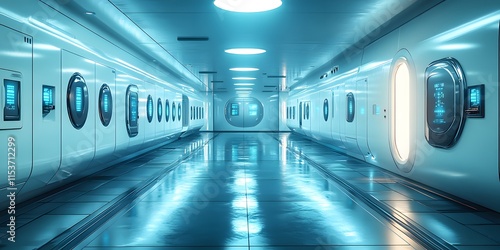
point(78, 115)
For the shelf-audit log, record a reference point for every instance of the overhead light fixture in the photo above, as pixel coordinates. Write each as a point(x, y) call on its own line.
point(244, 78)
point(248, 5)
point(243, 69)
point(244, 84)
point(245, 51)
point(90, 13)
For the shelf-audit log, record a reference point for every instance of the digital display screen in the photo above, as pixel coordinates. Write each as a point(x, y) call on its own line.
point(441, 102)
point(78, 99)
point(475, 97)
point(133, 109)
point(12, 102)
point(252, 109)
point(48, 95)
point(439, 108)
point(235, 109)
point(475, 101)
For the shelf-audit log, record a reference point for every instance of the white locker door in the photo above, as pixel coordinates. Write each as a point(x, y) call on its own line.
point(78, 115)
point(362, 112)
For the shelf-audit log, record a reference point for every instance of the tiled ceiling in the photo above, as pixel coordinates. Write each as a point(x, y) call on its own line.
point(299, 36)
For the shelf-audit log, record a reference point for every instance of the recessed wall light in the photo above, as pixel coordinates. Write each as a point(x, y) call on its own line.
point(248, 5)
point(245, 51)
point(244, 78)
point(243, 69)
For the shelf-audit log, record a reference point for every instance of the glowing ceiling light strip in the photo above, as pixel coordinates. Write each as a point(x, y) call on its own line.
point(244, 84)
point(243, 69)
point(248, 5)
point(245, 51)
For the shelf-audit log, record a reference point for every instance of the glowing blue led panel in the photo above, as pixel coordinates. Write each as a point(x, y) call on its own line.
point(79, 99)
point(47, 96)
point(106, 103)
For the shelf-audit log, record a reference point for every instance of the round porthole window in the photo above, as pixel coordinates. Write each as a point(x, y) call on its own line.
point(105, 105)
point(77, 100)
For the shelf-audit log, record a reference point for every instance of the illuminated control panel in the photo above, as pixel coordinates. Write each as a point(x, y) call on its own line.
point(475, 101)
point(12, 105)
point(132, 110)
point(48, 94)
point(77, 100)
point(445, 86)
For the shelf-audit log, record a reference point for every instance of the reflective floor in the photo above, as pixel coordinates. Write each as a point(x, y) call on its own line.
point(248, 191)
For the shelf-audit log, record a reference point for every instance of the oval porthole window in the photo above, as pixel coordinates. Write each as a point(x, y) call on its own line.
point(325, 109)
point(173, 111)
point(179, 111)
point(167, 110)
point(77, 100)
point(402, 111)
point(105, 105)
point(159, 109)
point(149, 108)
point(351, 107)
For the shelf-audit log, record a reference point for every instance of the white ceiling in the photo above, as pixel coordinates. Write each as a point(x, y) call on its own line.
point(299, 36)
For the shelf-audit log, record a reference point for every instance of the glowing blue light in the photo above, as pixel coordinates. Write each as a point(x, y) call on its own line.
point(106, 103)
point(11, 94)
point(150, 107)
point(79, 99)
point(252, 109)
point(475, 97)
point(47, 96)
point(235, 107)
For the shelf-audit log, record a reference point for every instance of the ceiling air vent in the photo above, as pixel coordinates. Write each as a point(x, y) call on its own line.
point(270, 86)
point(208, 72)
point(192, 38)
point(217, 81)
point(282, 77)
